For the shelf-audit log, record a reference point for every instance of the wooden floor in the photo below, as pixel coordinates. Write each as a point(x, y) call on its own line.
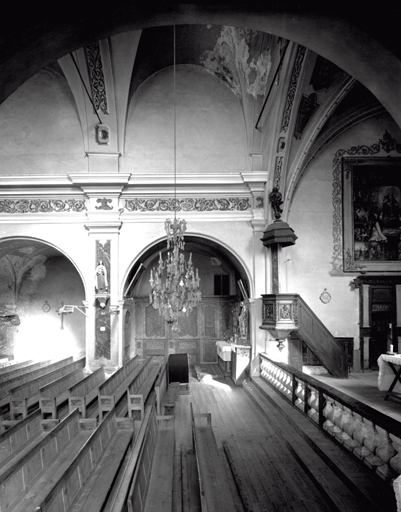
point(271, 478)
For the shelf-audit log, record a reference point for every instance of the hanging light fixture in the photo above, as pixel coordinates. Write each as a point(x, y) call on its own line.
point(177, 292)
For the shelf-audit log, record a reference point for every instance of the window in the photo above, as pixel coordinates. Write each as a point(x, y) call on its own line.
point(222, 284)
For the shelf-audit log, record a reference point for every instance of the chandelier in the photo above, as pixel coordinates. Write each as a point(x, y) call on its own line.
point(174, 282)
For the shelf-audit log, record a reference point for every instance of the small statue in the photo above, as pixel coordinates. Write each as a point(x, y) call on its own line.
point(101, 283)
point(276, 202)
point(243, 321)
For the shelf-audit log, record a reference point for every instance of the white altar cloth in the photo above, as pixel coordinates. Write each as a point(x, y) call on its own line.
point(224, 350)
point(386, 374)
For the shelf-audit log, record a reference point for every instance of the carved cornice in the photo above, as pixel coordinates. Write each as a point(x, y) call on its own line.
point(187, 204)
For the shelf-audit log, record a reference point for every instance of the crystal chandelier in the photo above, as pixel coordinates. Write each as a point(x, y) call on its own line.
point(177, 292)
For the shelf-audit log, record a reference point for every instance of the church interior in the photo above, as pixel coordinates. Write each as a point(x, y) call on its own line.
point(200, 257)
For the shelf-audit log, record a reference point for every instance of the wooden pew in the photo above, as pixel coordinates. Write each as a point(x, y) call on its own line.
point(22, 481)
point(52, 395)
point(152, 455)
point(26, 395)
point(140, 388)
point(19, 436)
point(11, 381)
point(87, 482)
point(115, 387)
point(84, 392)
point(12, 365)
point(161, 386)
point(215, 492)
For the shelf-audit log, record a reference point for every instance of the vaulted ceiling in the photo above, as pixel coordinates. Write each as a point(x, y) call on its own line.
point(286, 69)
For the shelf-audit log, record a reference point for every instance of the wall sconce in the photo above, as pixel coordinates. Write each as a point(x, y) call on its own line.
point(280, 345)
point(102, 300)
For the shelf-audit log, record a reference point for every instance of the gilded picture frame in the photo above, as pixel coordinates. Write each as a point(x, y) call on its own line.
point(371, 214)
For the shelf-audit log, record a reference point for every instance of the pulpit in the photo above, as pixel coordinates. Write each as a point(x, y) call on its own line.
point(240, 362)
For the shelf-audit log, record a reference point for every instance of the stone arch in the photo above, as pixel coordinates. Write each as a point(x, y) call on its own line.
point(333, 37)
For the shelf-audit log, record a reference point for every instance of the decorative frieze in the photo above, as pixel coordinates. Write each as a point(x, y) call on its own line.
point(188, 204)
point(19, 206)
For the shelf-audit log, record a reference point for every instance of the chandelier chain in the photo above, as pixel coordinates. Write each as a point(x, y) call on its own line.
point(174, 282)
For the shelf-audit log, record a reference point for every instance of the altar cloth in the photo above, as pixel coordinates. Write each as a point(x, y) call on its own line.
point(386, 374)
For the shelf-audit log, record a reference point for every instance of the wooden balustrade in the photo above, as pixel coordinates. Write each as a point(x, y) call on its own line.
point(362, 431)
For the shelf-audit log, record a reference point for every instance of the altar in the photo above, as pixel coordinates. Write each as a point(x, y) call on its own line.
point(389, 374)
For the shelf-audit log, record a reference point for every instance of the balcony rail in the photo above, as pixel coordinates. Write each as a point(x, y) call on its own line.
point(367, 434)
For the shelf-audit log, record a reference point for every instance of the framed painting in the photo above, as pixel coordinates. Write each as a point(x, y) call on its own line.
point(371, 214)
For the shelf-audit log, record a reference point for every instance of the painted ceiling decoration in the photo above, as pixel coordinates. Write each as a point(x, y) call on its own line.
point(241, 59)
point(95, 69)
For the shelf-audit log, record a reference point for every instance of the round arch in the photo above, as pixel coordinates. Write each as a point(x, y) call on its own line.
point(36, 280)
point(193, 243)
point(13, 243)
point(329, 35)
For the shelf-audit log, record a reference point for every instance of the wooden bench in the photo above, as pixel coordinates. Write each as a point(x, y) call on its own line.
point(12, 381)
point(152, 453)
point(11, 366)
point(140, 388)
point(115, 387)
point(161, 386)
point(215, 493)
point(54, 394)
point(82, 393)
point(18, 437)
point(27, 395)
point(23, 481)
point(87, 482)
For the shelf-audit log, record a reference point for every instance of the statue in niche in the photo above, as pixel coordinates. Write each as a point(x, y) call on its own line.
point(243, 321)
point(276, 200)
point(101, 283)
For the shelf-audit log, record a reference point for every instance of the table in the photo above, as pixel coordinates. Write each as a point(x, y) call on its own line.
point(389, 374)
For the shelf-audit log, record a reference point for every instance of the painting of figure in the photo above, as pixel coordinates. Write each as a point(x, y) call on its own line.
point(372, 214)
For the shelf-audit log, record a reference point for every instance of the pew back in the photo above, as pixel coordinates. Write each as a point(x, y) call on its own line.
point(115, 387)
point(19, 435)
point(24, 395)
point(161, 387)
point(56, 392)
point(11, 381)
point(17, 479)
point(68, 491)
point(83, 392)
point(141, 386)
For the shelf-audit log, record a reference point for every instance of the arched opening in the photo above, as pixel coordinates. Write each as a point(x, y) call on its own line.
point(36, 280)
point(215, 318)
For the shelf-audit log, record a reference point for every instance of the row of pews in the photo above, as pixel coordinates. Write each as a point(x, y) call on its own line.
point(75, 441)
